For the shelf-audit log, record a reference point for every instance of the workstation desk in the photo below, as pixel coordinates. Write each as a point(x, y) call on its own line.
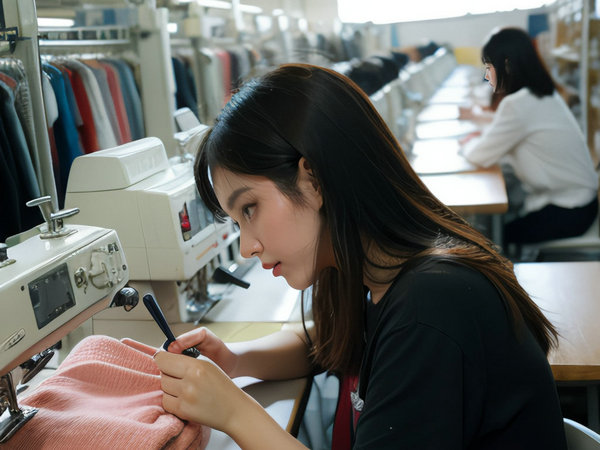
point(568, 294)
point(462, 186)
point(435, 154)
point(481, 191)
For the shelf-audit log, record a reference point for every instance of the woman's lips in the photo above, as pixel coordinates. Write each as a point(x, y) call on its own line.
point(276, 268)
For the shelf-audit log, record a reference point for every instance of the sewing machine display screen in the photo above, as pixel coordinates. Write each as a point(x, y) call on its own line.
point(51, 295)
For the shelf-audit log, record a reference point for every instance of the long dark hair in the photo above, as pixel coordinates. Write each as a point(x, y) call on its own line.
point(517, 63)
point(371, 197)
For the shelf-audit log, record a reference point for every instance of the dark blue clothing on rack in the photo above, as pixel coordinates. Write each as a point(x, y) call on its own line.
point(11, 199)
point(185, 92)
point(16, 137)
point(21, 184)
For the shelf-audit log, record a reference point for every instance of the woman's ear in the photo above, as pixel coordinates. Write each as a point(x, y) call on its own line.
point(307, 181)
point(306, 173)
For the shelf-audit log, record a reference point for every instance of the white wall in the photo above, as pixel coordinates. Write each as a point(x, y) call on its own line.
point(466, 31)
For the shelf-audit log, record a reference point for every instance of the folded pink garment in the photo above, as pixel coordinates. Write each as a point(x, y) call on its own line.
point(105, 395)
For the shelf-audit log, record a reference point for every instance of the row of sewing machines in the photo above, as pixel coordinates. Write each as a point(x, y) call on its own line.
point(133, 224)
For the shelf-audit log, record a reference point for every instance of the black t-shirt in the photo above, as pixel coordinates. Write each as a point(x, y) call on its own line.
point(445, 369)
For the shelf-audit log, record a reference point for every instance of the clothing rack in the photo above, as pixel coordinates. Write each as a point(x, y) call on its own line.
point(18, 35)
point(193, 42)
point(84, 36)
point(148, 41)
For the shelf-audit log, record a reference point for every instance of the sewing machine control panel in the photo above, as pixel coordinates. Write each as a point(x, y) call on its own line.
point(50, 286)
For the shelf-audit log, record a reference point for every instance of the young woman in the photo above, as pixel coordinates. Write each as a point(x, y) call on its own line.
point(438, 345)
point(535, 133)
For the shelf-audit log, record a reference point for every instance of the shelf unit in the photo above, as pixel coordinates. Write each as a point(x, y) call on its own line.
point(576, 63)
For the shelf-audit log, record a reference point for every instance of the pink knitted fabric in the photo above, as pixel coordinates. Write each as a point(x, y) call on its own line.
point(105, 395)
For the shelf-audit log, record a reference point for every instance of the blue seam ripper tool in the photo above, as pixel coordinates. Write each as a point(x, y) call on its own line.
point(159, 318)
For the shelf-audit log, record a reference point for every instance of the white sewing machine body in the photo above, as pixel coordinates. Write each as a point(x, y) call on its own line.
point(167, 233)
point(53, 286)
point(49, 285)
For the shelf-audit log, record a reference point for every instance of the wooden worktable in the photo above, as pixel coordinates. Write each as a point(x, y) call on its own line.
point(481, 191)
point(461, 185)
point(569, 295)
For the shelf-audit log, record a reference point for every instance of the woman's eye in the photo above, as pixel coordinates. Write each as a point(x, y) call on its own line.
point(248, 211)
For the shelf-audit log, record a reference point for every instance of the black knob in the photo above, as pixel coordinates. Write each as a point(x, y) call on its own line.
point(127, 297)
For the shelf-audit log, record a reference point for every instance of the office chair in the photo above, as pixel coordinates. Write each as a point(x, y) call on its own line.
point(580, 437)
point(585, 247)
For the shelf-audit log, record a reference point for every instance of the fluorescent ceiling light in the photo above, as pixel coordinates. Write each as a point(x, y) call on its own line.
point(250, 9)
point(219, 4)
point(49, 22)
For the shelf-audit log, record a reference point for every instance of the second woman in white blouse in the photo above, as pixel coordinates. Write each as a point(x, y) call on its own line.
point(535, 133)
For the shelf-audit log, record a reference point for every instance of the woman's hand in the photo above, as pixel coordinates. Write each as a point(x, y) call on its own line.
point(462, 141)
point(465, 113)
point(210, 346)
point(199, 391)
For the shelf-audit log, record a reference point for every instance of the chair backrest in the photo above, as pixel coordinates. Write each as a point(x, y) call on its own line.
point(580, 437)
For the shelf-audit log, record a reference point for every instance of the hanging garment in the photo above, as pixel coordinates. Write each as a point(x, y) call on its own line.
point(65, 130)
point(87, 129)
point(116, 93)
point(234, 68)
point(131, 97)
point(104, 130)
point(15, 146)
point(185, 94)
point(51, 110)
point(16, 136)
point(16, 70)
point(225, 72)
point(107, 99)
point(106, 394)
point(212, 88)
point(11, 200)
point(70, 95)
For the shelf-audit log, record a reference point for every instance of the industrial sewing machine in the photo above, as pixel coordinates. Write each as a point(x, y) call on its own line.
point(50, 283)
point(167, 233)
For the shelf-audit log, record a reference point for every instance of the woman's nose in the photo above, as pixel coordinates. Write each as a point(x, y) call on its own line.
point(249, 246)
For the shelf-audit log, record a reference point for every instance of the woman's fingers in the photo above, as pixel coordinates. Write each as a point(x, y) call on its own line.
point(171, 364)
point(171, 404)
point(170, 385)
point(197, 390)
point(192, 338)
